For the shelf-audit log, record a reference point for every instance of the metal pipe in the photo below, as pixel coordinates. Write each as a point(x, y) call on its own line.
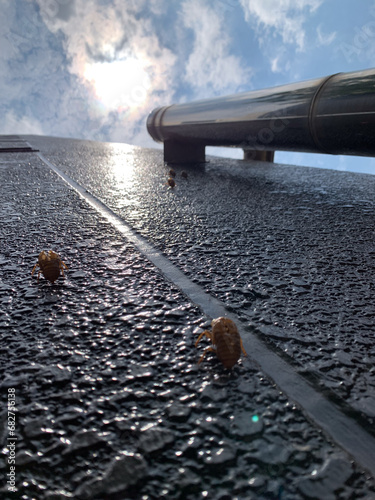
point(334, 115)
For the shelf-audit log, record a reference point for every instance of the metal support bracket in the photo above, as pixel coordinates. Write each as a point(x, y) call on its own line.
point(183, 152)
point(252, 154)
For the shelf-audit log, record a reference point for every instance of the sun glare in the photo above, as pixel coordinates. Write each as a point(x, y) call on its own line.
point(119, 84)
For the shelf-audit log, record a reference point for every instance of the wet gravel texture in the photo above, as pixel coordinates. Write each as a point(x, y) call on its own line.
point(289, 249)
point(110, 401)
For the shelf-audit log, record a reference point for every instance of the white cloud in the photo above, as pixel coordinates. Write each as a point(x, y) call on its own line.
point(323, 38)
point(98, 33)
point(96, 69)
point(210, 68)
point(46, 50)
point(280, 62)
point(284, 18)
point(13, 124)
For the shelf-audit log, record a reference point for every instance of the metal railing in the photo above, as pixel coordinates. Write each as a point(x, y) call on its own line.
point(333, 115)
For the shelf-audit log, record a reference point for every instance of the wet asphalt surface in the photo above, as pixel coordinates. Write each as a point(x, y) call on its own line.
point(110, 400)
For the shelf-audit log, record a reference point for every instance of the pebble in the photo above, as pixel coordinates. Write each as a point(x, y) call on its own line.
point(155, 439)
point(324, 481)
point(86, 439)
point(124, 471)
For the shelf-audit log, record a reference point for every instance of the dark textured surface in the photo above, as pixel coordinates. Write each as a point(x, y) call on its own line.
point(110, 400)
point(291, 249)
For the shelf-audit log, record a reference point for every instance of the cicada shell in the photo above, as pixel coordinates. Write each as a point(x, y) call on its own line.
point(226, 341)
point(51, 266)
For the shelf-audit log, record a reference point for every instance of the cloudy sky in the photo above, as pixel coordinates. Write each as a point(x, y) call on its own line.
point(94, 69)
